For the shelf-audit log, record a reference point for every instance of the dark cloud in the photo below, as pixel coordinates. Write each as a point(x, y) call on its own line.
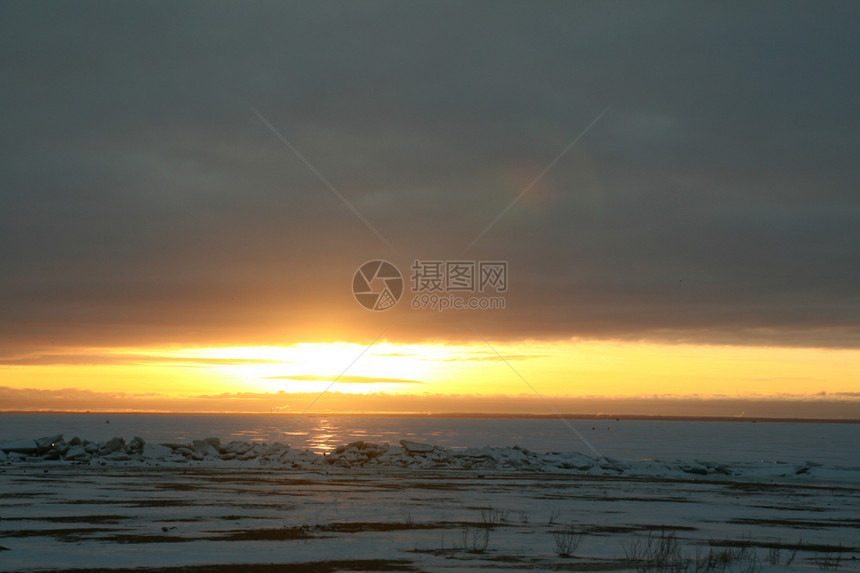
point(142, 201)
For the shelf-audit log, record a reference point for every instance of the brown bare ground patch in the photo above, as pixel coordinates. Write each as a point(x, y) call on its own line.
point(312, 567)
point(108, 519)
point(307, 531)
point(798, 523)
point(800, 546)
point(68, 534)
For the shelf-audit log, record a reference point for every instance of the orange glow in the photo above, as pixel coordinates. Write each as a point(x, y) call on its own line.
point(569, 368)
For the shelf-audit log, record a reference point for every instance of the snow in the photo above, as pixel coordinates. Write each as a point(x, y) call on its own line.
point(210, 452)
point(120, 501)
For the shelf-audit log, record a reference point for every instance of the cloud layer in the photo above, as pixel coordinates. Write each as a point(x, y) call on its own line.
point(143, 202)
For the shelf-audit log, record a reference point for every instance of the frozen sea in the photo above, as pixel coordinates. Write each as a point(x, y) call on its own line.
point(835, 444)
point(283, 509)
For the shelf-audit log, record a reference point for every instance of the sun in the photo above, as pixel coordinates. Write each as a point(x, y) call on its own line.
point(314, 367)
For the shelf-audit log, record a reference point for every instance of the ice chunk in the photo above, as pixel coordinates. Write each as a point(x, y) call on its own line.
point(156, 451)
point(77, 453)
point(111, 446)
point(215, 443)
point(697, 469)
point(237, 448)
point(416, 448)
point(48, 441)
point(204, 448)
point(19, 446)
point(136, 444)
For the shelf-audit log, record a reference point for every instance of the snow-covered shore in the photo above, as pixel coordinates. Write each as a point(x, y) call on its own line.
point(204, 505)
point(211, 452)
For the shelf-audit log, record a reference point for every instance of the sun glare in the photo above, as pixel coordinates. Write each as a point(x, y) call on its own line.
point(563, 368)
point(566, 368)
point(313, 367)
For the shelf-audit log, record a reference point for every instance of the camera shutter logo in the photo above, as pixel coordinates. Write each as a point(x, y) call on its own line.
point(377, 285)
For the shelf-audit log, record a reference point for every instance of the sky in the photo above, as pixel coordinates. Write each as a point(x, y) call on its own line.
point(188, 189)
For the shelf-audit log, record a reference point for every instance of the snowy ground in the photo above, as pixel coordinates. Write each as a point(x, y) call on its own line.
point(413, 508)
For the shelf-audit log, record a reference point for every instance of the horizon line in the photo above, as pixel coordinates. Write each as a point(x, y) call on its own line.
point(474, 415)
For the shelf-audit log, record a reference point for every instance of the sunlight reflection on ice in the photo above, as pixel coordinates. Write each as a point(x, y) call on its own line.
point(629, 439)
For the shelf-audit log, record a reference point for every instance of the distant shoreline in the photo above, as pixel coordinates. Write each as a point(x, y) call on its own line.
point(467, 415)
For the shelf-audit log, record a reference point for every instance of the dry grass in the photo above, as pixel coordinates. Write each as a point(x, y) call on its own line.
point(566, 541)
